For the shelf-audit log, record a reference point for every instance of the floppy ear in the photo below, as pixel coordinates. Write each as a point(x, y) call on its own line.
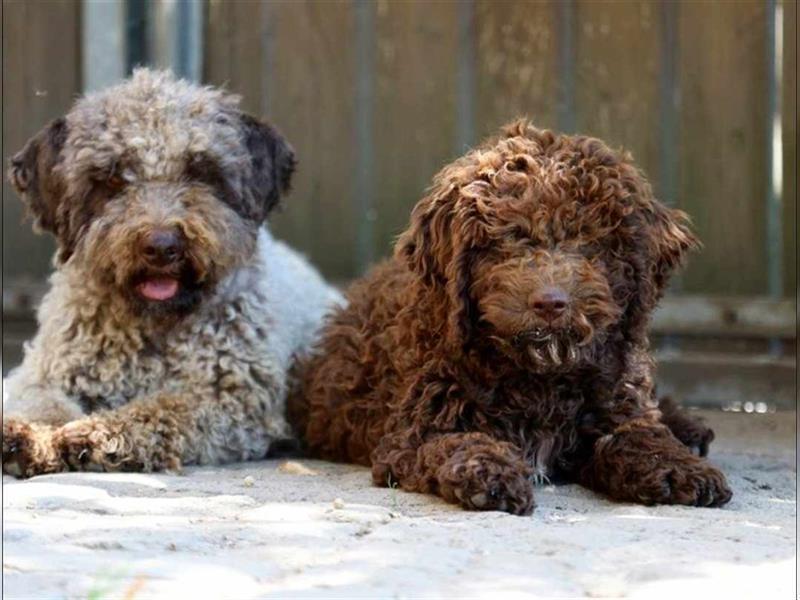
point(669, 238)
point(441, 246)
point(426, 246)
point(664, 234)
point(272, 164)
point(33, 174)
point(665, 238)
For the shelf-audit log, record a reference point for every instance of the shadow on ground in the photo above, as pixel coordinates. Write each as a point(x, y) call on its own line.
point(215, 532)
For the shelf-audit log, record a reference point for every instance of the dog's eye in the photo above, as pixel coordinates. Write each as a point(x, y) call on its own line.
point(115, 182)
point(486, 175)
point(518, 163)
point(109, 184)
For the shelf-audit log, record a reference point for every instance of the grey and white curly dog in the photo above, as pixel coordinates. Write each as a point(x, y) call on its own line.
point(173, 317)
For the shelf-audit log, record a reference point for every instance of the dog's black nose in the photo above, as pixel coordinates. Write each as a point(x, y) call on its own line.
point(550, 303)
point(162, 246)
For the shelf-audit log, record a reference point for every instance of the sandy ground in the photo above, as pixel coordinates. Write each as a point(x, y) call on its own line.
point(263, 530)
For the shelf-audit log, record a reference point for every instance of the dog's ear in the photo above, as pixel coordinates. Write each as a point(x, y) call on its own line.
point(664, 234)
point(441, 246)
point(463, 313)
point(272, 162)
point(670, 237)
point(33, 174)
point(426, 246)
point(664, 239)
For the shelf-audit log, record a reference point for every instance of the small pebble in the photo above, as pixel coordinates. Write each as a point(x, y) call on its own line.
point(338, 503)
point(249, 481)
point(292, 467)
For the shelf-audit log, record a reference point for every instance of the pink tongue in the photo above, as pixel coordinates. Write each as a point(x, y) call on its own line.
point(162, 288)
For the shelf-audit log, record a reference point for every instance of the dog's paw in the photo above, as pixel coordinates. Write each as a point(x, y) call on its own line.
point(28, 449)
point(86, 445)
point(490, 485)
point(648, 465)
point(515, 496)
point(16, 447)
point(698, 484)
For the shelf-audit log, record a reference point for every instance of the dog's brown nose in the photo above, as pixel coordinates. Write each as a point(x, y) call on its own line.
point(162, 246)
point(550, 303)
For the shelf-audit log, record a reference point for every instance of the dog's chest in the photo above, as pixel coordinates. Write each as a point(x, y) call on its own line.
point(540, 417)
point(201, 359)
point(113, 377)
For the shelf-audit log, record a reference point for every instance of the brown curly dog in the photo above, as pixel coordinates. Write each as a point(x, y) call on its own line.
point(506, 341)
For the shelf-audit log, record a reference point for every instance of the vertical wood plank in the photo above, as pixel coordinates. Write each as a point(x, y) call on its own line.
point(789, 104)
point(216, 54)
point(723, 75)
point(364, 184)
point(293, 64)
point(616, 79)
point(313, 83)
point(516, 64)
point(466, 81)
point(41, 77)
point(233, 57)
point(415, 117)
point(565, 34)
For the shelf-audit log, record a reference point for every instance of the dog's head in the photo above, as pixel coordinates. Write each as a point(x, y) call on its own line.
point(544, 246)
point(156, 188)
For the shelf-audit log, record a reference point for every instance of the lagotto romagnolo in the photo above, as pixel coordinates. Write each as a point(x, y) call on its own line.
point(507, 338)
point(173, 316)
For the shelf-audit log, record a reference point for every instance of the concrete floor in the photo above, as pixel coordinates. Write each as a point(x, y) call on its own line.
point(268, 529)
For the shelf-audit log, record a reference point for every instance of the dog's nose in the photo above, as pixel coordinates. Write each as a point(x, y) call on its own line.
point(550, 303)
point(162, 246)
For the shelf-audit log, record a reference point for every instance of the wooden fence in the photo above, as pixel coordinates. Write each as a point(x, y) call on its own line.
point(377, 95)
point(684, 86)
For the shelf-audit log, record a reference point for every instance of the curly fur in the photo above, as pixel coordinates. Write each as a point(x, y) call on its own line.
point(114, 380)
point(443, 377)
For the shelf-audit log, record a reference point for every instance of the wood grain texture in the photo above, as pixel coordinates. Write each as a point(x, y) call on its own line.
point(723, 143)
point(516, 71)
point(233, 56)
point(616, 78)
point(415, 114)
point(789, 102)
point(41, 77)
point(313, 83)
point(294, 62)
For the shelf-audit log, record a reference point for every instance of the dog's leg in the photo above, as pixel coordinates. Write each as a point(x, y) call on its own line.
point(28, 399)
point(470, 469)
point(691, 431)
point(28, 449)
point(151, 434)
point(641, 461)
point(30, 415)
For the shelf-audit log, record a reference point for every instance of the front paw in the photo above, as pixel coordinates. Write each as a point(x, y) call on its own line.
point(87, 445)
point(28, 449)
point(514, 496)
point(697, 484)
point(488, 485)
point(650, 466)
